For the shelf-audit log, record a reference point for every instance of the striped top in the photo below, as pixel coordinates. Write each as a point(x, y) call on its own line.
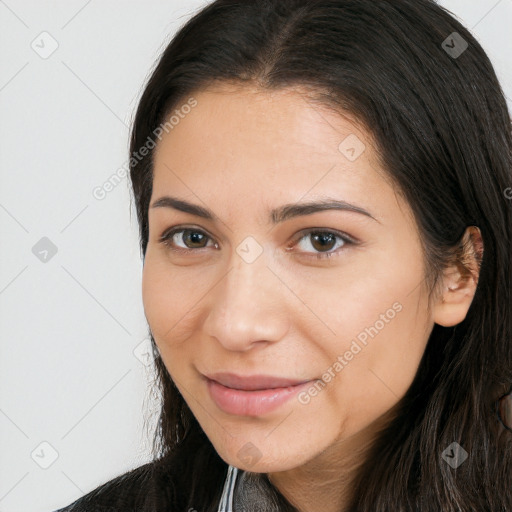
point(226, 500)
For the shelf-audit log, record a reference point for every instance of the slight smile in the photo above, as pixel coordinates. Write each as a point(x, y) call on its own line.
point(251, 395)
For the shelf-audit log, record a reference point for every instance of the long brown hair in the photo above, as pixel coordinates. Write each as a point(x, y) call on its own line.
point(443, 132)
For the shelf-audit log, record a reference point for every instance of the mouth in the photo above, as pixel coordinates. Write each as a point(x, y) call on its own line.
point(253, 382)
point(251, 395)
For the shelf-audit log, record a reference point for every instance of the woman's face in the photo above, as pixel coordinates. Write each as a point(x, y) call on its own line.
point(256, 283)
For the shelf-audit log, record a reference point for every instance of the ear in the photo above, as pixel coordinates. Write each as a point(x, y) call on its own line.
point(460, 281)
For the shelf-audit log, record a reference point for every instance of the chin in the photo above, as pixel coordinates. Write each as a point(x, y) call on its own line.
point(261, 458)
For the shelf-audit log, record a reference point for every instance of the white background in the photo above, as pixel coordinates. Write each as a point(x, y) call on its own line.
point(69, 326)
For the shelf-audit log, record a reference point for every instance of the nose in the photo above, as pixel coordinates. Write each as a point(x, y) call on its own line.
point(247, 307)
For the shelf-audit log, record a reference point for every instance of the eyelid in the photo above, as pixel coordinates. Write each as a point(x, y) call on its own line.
point(337, 232)
point(167, 235)
point(348, 240)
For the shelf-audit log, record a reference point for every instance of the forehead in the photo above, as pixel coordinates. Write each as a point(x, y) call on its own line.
point(285, 114)
point(281, 146)
point(264, 131)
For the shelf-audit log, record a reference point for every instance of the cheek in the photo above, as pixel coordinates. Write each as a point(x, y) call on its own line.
point(381, 329)
point(154, 297)
point(401, 344)
point(162, 298)
point(172, 299)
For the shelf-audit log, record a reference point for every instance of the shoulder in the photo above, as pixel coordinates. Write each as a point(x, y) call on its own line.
point(148, 487)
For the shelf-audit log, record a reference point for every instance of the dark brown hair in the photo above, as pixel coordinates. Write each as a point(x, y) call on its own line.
point(443, 132)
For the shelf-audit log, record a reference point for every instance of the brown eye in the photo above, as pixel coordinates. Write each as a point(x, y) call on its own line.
point(194, 238)
point(325, 243)
point(190, 238)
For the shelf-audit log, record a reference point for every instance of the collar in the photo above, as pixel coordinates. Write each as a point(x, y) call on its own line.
point(226, 500)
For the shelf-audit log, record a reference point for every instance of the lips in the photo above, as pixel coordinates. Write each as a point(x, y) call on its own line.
point(254, 395)
point(253, 382)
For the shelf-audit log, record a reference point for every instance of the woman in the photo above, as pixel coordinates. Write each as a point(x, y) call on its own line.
point(323, 195)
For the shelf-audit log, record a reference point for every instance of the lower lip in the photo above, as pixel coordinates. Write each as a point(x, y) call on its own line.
point(251, 403)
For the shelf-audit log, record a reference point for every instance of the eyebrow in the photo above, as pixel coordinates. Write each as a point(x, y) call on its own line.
point(277, 215)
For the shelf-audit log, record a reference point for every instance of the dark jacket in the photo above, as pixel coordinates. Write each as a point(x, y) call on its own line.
point(129, 492)
point(148, 488)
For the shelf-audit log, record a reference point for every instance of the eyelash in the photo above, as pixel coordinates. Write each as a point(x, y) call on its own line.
point(167, 236)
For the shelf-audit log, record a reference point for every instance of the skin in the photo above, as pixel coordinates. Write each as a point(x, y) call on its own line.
point(241, 152)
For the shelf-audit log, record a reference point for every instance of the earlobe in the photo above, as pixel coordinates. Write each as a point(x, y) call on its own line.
point(454, 303)
point(460, 281)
